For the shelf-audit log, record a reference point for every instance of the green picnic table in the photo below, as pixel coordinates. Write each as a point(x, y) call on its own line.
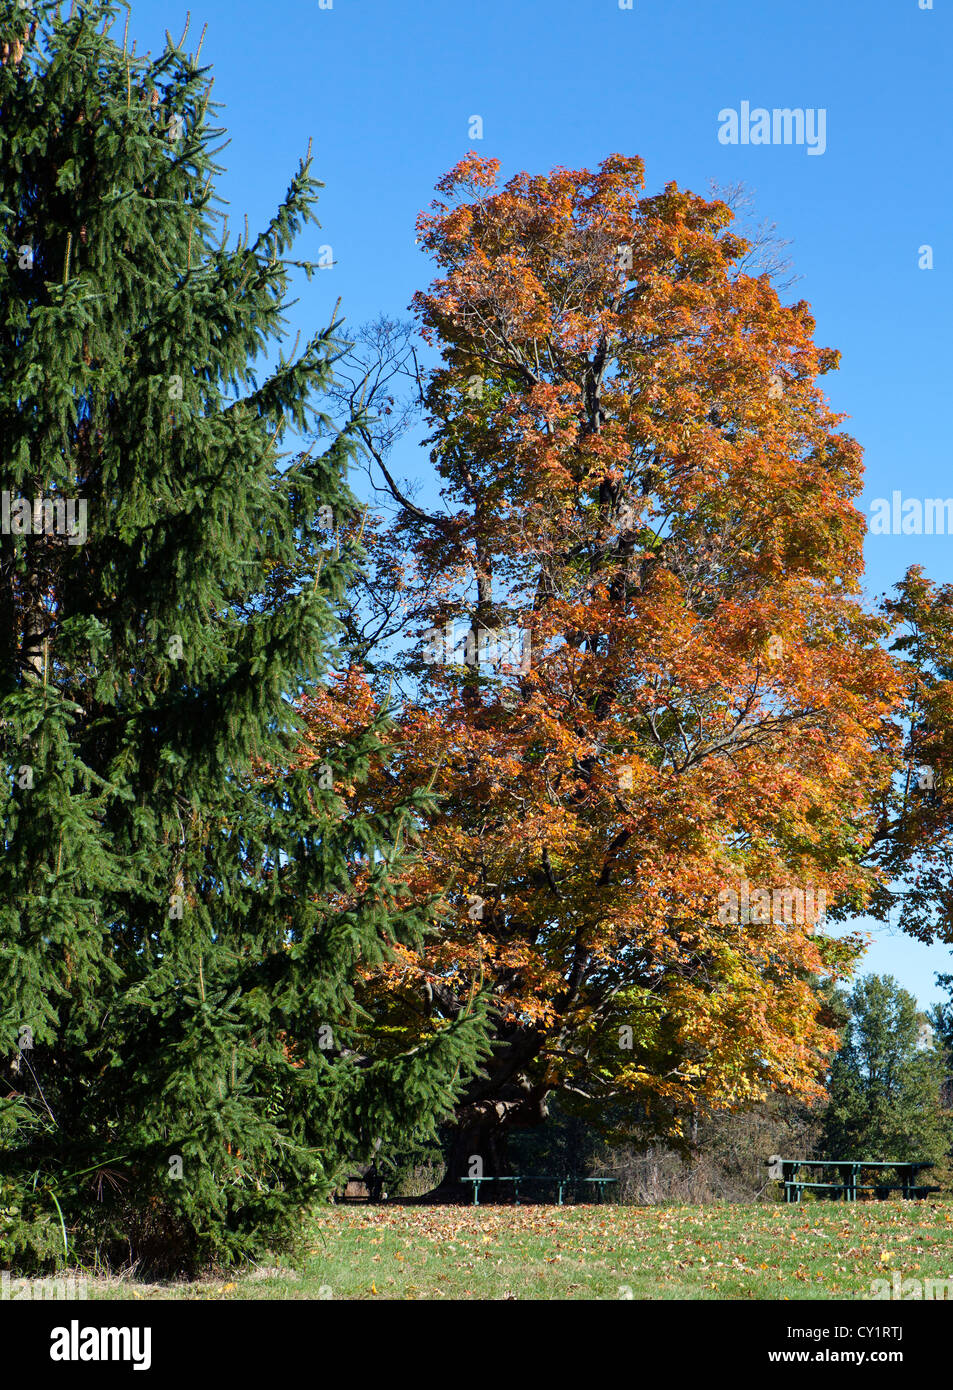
point(788, 1172)
point(561, 1183)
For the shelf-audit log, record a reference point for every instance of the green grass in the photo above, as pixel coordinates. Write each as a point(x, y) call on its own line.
point(818, 1250)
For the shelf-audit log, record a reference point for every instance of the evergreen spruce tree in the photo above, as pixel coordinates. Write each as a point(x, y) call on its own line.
point(183, 909)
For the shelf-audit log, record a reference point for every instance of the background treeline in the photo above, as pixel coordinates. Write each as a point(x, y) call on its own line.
point(888, 1095)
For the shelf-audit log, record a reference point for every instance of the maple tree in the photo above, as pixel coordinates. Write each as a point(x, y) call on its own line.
point(643, 677)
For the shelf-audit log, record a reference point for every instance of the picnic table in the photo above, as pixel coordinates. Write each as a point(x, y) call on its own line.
point(788, 1172)
point(561, 1183)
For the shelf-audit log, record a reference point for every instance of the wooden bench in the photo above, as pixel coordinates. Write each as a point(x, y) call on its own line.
point(787, 1171)
point(561, 1183)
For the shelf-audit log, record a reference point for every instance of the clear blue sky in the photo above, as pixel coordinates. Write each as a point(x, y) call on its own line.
point(387, 88)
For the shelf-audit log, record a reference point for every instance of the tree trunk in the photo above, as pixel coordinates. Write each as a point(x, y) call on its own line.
point(507, 1096)
point(478, 1144)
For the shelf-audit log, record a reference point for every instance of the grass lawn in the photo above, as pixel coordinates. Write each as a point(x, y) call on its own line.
point(818, 1250)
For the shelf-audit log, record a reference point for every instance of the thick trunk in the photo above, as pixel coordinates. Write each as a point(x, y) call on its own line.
point(479, 1140)
point(510, 1094)
point(477, 1149)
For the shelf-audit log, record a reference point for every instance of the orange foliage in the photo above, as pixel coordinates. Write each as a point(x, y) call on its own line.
point(640, 474)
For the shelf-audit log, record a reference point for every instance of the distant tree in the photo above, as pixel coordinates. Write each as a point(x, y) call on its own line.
point(941, 1021)
point(912, 847)
point(941, 1015)
point(886, 1083)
